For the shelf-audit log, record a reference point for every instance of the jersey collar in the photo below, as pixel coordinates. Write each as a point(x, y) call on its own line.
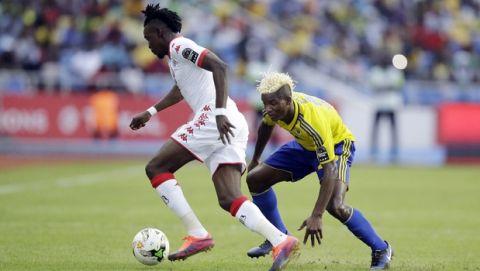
point(170, 44)
point(296, 111)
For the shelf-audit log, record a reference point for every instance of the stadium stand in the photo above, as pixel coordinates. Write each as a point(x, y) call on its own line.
point(82, 46)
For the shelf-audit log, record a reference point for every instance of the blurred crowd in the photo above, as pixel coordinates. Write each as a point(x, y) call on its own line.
point(82, 44)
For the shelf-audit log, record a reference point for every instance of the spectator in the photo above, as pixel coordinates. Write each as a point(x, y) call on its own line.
point(386, 84)
point(340, 38)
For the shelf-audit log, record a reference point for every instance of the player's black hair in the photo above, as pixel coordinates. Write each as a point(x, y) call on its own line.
point(168, 17)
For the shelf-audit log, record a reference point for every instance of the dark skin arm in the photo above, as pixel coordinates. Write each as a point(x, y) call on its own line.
point(173, 97)
point(218, 68)
point(313, 224)
point(263, 135)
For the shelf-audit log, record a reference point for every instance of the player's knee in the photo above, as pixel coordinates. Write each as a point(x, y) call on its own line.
point(254, 183)
point(231, 201)
point(334, 211)
point(338, 210)
point(152, 169)
point(225, 203)
point(250, 182)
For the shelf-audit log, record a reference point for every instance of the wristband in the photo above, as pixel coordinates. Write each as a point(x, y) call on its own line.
point(220, 111)
point(152, 110)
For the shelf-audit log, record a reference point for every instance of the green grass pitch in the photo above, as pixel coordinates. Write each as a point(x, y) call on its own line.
point(83, 216)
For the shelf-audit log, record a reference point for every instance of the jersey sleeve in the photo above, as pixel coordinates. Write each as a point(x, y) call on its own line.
point(328, 148)
point(187, 50)
point(324, 144)
point(317, 124)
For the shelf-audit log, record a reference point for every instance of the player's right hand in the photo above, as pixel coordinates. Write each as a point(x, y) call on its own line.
point(224, 128)
point(313, 229)
point(139, 120)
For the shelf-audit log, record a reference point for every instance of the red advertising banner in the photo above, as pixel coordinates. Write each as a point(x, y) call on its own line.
point(80, 116)
point(73, 117)
point(76, 116)
point(459, 123)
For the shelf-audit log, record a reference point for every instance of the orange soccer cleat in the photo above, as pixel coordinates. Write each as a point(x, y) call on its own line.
point(284, 252)
point(192, 246)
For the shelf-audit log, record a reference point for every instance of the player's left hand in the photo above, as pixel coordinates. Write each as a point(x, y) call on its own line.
point(224, 128)
point(313, 226)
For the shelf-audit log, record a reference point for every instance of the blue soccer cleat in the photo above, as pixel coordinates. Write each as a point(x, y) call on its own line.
point(284, 252)
point(260, 251)
point(381, 258)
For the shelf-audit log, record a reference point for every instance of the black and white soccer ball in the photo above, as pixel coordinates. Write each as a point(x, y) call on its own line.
point(150, 246)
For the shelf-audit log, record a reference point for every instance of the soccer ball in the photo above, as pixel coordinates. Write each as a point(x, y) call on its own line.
point(150, 246)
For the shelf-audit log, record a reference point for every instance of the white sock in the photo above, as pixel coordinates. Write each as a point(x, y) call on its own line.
point(172, 195)
point(249, 215)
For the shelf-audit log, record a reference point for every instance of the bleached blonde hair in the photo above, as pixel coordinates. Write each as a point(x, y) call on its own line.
point(272, 81)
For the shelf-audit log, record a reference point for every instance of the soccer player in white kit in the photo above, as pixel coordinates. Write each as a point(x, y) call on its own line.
point(217, 136)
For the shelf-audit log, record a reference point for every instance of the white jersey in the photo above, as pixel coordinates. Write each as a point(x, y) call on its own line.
point(195, 83)
point(200, 135)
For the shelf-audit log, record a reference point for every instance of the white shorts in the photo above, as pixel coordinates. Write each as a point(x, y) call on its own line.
point(200, 136)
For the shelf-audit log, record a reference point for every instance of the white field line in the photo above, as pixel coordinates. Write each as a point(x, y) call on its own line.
point(79, 180)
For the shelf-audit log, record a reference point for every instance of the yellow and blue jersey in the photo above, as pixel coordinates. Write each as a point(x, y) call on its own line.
point(316, 126)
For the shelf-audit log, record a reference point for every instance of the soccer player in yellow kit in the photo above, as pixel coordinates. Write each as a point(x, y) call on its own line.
point(322, 144)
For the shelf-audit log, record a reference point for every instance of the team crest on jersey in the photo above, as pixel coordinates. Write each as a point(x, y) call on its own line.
point(189, 54)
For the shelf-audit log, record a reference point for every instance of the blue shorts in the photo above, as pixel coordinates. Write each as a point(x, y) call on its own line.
point(299, 162)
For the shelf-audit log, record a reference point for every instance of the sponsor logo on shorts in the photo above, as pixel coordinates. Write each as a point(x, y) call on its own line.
point(201, 121)
point(189, 131)
point(183, 137)
point(206, 108)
